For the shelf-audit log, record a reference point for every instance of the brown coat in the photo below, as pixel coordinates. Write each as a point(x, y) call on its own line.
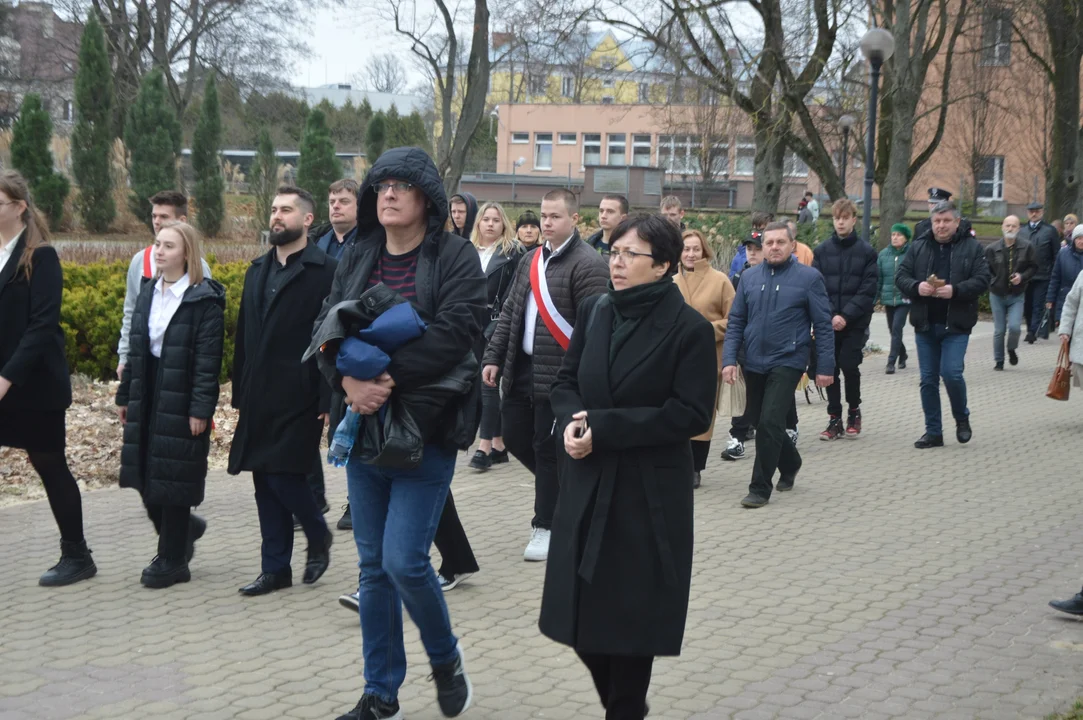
point(804, 254)
point(711, 293)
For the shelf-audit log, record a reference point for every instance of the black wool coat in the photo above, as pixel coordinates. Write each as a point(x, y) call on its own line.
point(160, 457)
point(620, 557)
point(31, 339)
point(279, 397)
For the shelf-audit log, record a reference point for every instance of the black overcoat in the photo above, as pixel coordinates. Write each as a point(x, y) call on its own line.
point(31, 338)
point(620, 556)
point(279, 397)
point(160, 457)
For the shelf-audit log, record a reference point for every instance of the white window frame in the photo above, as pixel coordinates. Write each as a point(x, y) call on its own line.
point(794, 166)
point(68, 111)
point(640, 142)
point(996, 182)
point(536, 80)
point(593, 144)
point(744, 143)
point(542, 140)
point(616, 140)
point(645, 93)
point(565, 138)
point(721, 163)
point(999, 53)
point(681, 154)
point(520, 138)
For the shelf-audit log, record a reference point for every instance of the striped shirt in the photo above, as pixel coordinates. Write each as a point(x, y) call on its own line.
point(397, 272)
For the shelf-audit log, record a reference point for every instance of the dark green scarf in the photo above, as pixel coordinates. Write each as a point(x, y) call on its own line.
point(631, 306)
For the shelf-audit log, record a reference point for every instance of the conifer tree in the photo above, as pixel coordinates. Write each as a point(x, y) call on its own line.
point(210, 204)
point(375, 138)
point(263, 178)
point(318, 167)
point(153, 138)
point(92, 138)
point(31, 155)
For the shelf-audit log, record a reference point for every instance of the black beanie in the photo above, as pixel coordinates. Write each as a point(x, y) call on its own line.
point(528, 218)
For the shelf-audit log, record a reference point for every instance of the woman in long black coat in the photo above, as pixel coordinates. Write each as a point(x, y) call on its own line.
point(167, 397)
point(35, 388)
point(638, 382)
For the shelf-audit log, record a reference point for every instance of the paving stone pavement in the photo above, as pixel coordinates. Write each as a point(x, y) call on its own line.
point(892, 583)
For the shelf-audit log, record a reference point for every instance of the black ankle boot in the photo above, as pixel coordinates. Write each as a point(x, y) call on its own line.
point(75, 565)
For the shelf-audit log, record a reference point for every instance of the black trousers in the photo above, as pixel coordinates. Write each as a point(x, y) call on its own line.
point(1034, 306)
point(739, 426)
point(62, 491)
point(528, 435)
point(849, 345)
point(279, 498)
point(173, 523)
point(622, 682)
point(769, 397)
point(315, 482)
point(700, 450)
point(456, 555)
point(896, 323)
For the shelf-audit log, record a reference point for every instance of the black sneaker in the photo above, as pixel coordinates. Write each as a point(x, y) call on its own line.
point(454, 692)
point(1029, 339)
point(890, 370)
point(370, 707)
point(735, 450)
point(754, 501)
point(346, 521)
point(902, 362)
point(499, 456)
point(998, 366)
point(834, 429)
point(962, 431)
point(162, 573)
point(927, 441)
point(481, 461)
point(1013, 357)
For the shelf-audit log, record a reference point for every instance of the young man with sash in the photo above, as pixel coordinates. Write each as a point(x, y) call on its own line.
point(529, 343)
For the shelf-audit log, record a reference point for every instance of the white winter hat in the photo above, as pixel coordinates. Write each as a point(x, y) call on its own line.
point(1077, 232)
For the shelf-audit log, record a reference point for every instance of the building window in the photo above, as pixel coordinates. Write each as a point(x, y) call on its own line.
point(644, 93)
point(537, 83)
point(69, 111)
point(745, 162)
point(609, 82)
point(991, 178)
point(616, 149)
point(678, 154)
point(996, 36)
point(543, 151)
point(592, 149)
point(720, 158)
point(520, 138)
point(607, 100)
point(566, 138)
point(641, 150)
point(567, 86)
point(793, 166)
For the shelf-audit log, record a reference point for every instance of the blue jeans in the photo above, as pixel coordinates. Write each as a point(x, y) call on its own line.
point(896, 323)
point(941, 355)
point(395, 514)
point(1007, 314)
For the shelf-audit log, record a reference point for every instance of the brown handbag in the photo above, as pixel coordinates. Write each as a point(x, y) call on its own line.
point(1062, 376)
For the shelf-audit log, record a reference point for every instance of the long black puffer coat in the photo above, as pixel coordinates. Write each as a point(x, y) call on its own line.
point(173, 468)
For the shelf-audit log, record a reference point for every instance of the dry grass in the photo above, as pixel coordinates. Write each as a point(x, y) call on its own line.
point(83, 250)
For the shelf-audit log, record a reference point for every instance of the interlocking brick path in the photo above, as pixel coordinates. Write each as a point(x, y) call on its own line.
point(891, 583)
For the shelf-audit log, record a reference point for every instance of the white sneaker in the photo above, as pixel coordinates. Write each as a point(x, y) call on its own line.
point(793, 436)
point(452, 582)
point(537, 550)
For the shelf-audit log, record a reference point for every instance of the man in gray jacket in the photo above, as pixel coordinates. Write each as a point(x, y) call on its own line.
point(166, 206)
point(1045, 240)
point(529, 343)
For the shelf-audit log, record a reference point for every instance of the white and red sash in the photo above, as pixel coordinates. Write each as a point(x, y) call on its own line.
point(148, 262)
point(559, 328)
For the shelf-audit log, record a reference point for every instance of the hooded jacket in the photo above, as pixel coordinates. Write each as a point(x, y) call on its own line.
point(471, 214)
point(969, 278)
point(450, 294)
point(160, 457)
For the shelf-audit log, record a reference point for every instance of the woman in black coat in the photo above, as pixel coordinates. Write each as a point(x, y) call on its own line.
point(35, 388)
point(167, 397)
point(638, 382)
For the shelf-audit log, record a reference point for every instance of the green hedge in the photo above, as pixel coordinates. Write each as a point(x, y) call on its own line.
point(93, 308)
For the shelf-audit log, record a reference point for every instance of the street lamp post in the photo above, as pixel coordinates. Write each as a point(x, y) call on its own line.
point(517, 164)
point(845, 122)
point(877, 45)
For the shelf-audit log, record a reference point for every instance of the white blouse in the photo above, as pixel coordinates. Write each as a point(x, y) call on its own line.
point(5, 253)
point(163, 306)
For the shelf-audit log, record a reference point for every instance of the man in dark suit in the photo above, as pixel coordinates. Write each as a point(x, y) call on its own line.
point(1045, 239)
point(283, 402)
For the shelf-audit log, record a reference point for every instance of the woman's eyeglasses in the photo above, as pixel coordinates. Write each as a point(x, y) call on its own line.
point(627, 256)
point(399, 187)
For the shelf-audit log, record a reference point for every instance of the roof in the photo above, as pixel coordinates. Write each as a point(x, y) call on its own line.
point(339, 93)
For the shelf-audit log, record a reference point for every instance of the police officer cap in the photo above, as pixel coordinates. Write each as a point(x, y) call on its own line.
point(938, 194)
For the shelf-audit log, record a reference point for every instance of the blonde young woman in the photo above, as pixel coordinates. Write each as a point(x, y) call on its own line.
point(35, 387)
point(711, 293)
point(499, 251)
point(167, 396)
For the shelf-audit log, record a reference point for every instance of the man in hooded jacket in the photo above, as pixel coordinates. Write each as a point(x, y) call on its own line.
point(463, 211)
point(401, 242)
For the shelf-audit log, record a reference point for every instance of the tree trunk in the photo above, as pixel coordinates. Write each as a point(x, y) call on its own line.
point(767, 180)
point(473, 107)
point(1062, 184)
